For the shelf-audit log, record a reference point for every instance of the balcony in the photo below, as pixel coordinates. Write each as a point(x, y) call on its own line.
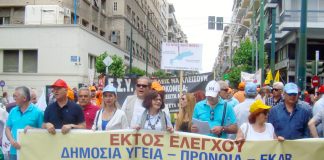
point(245, 3)
point(290, 19)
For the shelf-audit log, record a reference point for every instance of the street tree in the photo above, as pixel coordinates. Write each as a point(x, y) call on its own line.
point(116, 69)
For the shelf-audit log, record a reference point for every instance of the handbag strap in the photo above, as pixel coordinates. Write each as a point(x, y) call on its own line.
point(246, 131)
point(223, 118)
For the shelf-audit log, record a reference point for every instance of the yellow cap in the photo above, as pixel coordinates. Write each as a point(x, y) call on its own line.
point(258, 104)
point(92, 88)
point(241, 86)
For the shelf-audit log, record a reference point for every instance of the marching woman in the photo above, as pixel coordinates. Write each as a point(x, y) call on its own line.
point(153, 118)
point(110, 117)
point(184, 120)
point(257, 128)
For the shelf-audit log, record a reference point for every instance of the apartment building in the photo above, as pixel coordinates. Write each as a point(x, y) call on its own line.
point(62, 43)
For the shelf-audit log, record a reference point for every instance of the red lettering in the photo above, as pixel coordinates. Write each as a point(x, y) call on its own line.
point(174, 140)
point(150, 142)
point(239, 145)
point(231, 146)
point(114, 139)
point(216, 145)
point(203, 143)
point(124, 139)
point(136, 135)
point(157, 140)
point(195, 143)
point(184, 141)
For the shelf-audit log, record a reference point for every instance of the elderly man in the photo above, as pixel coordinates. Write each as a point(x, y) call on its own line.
point(319, 107)
point(276, 98)
point(225, 94)
point(290, 118)
point(89, 110)
point(242, 110)
point(62, 114)
point(24, 116)
point(132, 105)
point(33, 94)
point(217, 112)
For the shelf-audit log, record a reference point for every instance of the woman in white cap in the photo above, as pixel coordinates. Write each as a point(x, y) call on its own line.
point(257, 128)
point(110, 117)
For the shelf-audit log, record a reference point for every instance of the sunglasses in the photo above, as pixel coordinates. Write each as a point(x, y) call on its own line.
point(212, 115)
point(226, 90)
point(275, 89)
point(141, 85)
point(292, 94)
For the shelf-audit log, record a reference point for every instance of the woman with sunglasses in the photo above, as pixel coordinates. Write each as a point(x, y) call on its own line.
point(257, 128)
point(153, 118)
point(110, 117)
point(187, 104)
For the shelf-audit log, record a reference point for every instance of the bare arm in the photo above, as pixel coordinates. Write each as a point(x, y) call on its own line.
point(231, 129)
point(11, 139)
point(239, 135)
point(312, 128)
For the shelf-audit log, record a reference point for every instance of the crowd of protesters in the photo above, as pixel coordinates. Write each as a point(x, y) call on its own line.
point(251, 113)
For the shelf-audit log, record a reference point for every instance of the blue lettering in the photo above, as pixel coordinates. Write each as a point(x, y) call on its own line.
point(136, 151)
point(95, 152)
point(102, 150)
point(203, 155)
point(65, 153)
point(272, 157)
point(116, 153)
point(184, 155)
point(193, 155)
point(145, 152)
point(238, 157)
point(221, 156)
point(85, 152)
point(158, 154)
point(129, 151)
point(263, 157)
point(288, 156)
point(281, 157)
point(213, 156)
point(72, 151)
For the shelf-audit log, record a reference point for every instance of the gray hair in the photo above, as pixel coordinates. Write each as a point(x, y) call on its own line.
point(146, 78)
point(84, 89)
point(222, 84)
point(278, 85)
point(24, 91)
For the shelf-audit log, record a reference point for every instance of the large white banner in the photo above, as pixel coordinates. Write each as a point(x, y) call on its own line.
point(254, 78)
point(181, 56)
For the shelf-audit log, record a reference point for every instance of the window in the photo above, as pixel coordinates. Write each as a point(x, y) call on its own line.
point(91, 61)
point(4, 20)
point(10, 60)
point(30, 61)
point(115, 6)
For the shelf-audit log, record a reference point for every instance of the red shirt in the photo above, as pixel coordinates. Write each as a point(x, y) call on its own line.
point(89, 112)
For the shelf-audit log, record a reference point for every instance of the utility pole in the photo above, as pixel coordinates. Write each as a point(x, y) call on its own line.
point(261, 40)
point(302, 48)
point(131, 51)
point(75, 11)
point(273, 41)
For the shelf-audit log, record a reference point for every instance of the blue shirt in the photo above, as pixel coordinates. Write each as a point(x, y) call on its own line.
point(202, 111)
point(232, 102)
point(32, 116)
point(290, 126)
point(71, 113)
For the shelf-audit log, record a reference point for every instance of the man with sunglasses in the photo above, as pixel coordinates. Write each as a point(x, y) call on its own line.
point(216, 111)
point(276, 94)
point(133, 105)
point(290, 118)
point(225, 94)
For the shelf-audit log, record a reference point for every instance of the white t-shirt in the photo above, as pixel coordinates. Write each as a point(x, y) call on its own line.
point(267, 134)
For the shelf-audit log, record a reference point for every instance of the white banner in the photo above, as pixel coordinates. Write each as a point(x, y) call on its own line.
point(181, 56)
point(254, 78)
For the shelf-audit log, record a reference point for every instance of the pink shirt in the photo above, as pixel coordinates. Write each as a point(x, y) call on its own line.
point(89, 112)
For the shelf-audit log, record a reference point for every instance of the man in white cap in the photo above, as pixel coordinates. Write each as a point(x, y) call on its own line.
point(217, 112)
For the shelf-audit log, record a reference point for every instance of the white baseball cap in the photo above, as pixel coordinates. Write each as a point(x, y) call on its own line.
point(212, 89)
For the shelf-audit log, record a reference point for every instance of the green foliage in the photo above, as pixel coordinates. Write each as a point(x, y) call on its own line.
point(100, 66)
point(242, 61)
point(117, 68)
point(137, 71)
point(161, 74)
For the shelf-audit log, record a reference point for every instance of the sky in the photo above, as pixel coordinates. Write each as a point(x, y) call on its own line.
point(193, 18)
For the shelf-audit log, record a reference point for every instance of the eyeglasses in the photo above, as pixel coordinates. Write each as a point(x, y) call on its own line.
point(292, 94)
point(141, 85)
point(157, 99)
point(275, 89)
point(225, 89)
point(212, 115)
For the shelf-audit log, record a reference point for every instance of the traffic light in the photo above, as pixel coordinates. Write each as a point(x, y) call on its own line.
point(211, 22)
point(310, 67)
point(219, 23)
point(320, 68)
